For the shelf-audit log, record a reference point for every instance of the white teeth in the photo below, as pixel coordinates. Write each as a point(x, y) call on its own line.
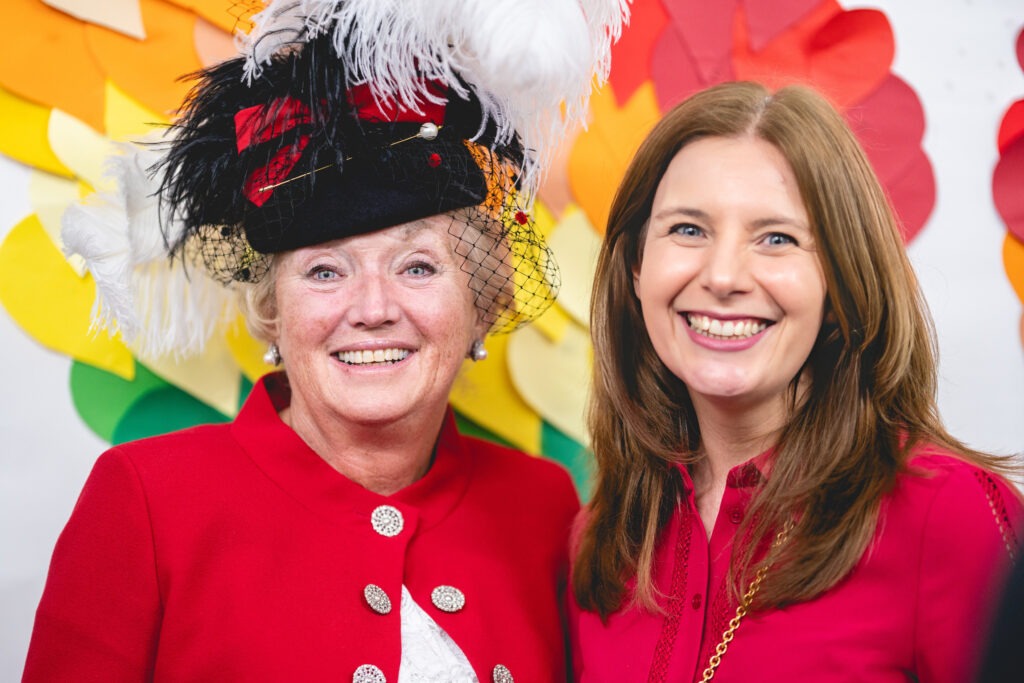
point(372, 356)
point(728, 329)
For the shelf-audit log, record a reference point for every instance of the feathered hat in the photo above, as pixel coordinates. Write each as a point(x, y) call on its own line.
point(342, 117)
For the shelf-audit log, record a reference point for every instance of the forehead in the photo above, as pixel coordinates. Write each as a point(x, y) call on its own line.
point(731, 169)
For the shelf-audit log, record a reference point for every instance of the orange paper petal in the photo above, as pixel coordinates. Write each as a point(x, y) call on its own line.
point(44, 57)
point(601, 154)
point(149, 70)
point(213, 44)
point(1013, 260)
point(227, 15)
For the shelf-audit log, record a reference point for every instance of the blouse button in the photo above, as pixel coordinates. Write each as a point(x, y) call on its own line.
point(368, 673)
point(448, 598)
point(377, 599)
point(501, 674)
point(697, 601)
point(735, 515)
point(387, 521)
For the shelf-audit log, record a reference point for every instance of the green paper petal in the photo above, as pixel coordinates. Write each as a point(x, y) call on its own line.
point(572, 454)
point(102, 398)
point(163, 410)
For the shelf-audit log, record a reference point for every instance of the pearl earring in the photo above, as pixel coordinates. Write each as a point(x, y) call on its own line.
point(477, 352)
point(272, 356)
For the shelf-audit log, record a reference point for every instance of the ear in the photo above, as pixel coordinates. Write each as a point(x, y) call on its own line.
point(636, 281)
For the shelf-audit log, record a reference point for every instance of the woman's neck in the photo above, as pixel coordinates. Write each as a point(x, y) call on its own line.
point(382, 458)
point(729, 436)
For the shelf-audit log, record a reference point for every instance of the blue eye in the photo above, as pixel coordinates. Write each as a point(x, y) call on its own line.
point(420, 269)
point(777, 239)
point(322, 273)
point(687, 230)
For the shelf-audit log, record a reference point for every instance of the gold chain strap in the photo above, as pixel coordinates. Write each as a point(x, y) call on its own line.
point(741, 610)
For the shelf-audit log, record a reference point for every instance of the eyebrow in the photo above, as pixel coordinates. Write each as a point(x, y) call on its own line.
point(688, 212)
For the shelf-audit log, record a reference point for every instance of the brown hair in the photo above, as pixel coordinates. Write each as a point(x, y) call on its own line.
point(872, 371)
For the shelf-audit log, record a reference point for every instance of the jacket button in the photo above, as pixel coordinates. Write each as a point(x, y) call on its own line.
point(387, 521)
point(501, 674)
point(448, 598)
point(735, 515)
point(697, 601)
point(377, 599)
point(368, 673)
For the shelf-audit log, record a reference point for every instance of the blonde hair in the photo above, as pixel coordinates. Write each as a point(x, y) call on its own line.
point(872, 371)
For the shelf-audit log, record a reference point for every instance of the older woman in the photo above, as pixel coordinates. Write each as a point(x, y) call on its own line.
point(340, 528)
point(777, 499)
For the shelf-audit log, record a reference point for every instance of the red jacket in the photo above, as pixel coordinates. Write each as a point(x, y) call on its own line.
point(916, 606)
point(234, 552)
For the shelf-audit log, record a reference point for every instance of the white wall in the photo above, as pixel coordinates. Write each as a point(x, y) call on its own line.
point(959, 57)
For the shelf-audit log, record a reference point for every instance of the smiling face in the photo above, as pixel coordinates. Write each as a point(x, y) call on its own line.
point(730, 286)
point(373, 328)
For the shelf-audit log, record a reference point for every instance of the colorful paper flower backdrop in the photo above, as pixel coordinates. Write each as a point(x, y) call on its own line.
point(94, 71)
point(1007, 184)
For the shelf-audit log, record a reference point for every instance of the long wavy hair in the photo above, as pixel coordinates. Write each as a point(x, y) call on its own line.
point(871, 392)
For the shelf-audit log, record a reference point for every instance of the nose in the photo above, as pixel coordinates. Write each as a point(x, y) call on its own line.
point(726, 269)
point(374, 303)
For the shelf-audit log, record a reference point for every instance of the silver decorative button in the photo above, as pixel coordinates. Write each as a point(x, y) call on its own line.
point(448, 598)
point(501, 674)
point(377, 599)
point(368, 673)
point(387, 521)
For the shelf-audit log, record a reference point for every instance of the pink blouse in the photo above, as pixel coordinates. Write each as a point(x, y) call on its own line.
point(915, 608)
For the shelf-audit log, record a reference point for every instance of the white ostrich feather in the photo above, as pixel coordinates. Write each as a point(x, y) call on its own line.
point(523, 58)
point(156, 305)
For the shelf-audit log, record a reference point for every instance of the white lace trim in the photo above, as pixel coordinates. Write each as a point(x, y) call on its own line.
point(429, 655)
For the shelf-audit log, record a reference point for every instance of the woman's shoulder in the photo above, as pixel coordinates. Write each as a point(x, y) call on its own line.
point(526, 473)
point(952, 494)
point(187, 450)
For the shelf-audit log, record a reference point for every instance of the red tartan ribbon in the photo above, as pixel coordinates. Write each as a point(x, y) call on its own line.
point(261, 123)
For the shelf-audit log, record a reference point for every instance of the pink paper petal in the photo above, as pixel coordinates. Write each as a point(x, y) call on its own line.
point(632, 55)
point(1020, 49)
point(706, 29)
point(1008, 187)
point(765, 19)
point(890, 125)
point(1012, 126)
point(913, 195)
point(674, 72)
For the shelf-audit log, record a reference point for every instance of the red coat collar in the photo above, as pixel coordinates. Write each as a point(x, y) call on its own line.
point(285, 458)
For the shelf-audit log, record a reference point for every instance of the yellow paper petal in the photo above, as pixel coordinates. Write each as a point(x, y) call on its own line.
point(247, 351)
point(554, 378)
point(552, 323)
point(213, 377)
point(79, 147)
point(123, 16)
point(483, 392)
point(125, 118)
point(50, 196)
point(52, 303)
point(576, 247)
point(24, 136)
point(601, 154)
